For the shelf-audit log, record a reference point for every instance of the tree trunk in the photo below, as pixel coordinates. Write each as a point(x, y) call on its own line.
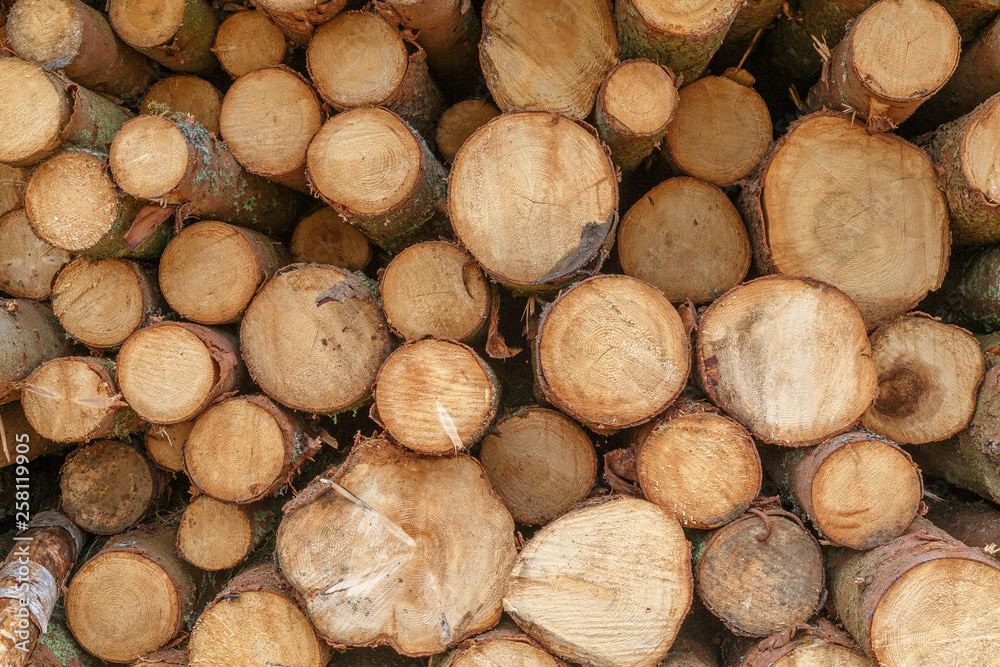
point(245, 448)
point(298, 19)
point(15, 429)
point(457, 124)
point(753, 17)
point(28, 265)
point(324, 237)
point(164, 445)
point(174, 161)
point(214, 535)
point(929, 373)
point(893, 251)
point(548, 56)
point(859, 490)
point(109, 486)
point(30, 335)
point(540, 462)
point(171, 371)
point(902, 601)
point(257, 619)
point(210, 272)
point(694, 646)
point(73, 204)
point(103, 302)
point(586, 603)
point(185, 94)
point(502, 646)
point(439, 546)
point(380, 176)
point(68, 35)
point(683, 39)
point(698, 464)
point(34, 571)
point(171, 657)
point(761, 574)
point(175, 33)
point(971, 16)
point(314, 338)
point(75, 399)
point(814, 356)
point(249, 41)
point(435, 289)
point(448, 30)
point(611, 352)
point(534, 198)
point(962, 150)
point(45, 111)
point(687, 239)
point(896, 55)
point(976, 292)
point(635, 104)
point(819, 643)
point(974, 524)
point(269, 116)
point(132, 597)
point(721, 130)
point(58, 648)
point(359, 59)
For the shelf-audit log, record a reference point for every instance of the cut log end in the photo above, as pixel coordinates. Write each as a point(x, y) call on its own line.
point(146, 23)
point(324, 237)
point(214, 535)
point(458, 123)
point(100, 303)
point(248, 41)
point(185, 94)
point(32, 94)
point(164, 445)
point(691, 18)
point(640, 97)
point(28, 265)
point(979, 147)
point(51, 42)
point(149, 157)
point(503, 652)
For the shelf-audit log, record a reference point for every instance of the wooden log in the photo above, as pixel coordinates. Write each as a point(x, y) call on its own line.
point(379, 175)
point(435, 289)
point(256, 619)
point(611, 352)
point(70, 36)
point(175, 33)
point(324, 237)
point(174, 161)
point(28, 265)
point(904, 601)
point(975, 290)
point(962, 151)
point(687, 239)
point(103, 302)
point(929, 373)
point(504, 645)
point(73, 204)
point(721, 130)
point(636, 102)
point(753, 17)
point(30, 335)
point(974, 524)
point(971, 16)
point(814, 645)
point(75, 399)
point(214, 535)
point(298, 19)
point(694, 645)
point(12, 183)
point(169, 657)
point(314, 338)
point(210, 272)
point(14, 425)
point(132, 597)
point(58, 648)
point(566, 584)
point(34, 572)
point(436, 396)
point(185, 94)
point(540, 462)
point(893, 251)
point(802, 340)
point(417, 518)
point(359, 59)
point(44, 111)
point(684, 38)
point(895, 55)
point(268, 118)
point(457, 124)
point(547, 56)
point(245, 448)
point(859, 490)
point(171, 371)
point(760, 574)
point(534, 198)
point(109, 486)
point(699, 465)
point(248, 41)
point(448, 31)
point(165, 445)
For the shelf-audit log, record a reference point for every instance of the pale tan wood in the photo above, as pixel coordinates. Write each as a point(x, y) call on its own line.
point(248, 41)
point(164, 444)
point(29, 94)
point(459, 121)
point(540, 462)
point(12, 420)
point(324, 237)
point(187, 94)
point(28, 265)
point(29, 335)
point(176, 33)
point(685, 237)
point(12, 183)
point(213, 535)
point(151, 158)
point(581, 586)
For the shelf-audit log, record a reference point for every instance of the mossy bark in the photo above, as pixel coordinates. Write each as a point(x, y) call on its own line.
point(30, 335)
point(190, 49)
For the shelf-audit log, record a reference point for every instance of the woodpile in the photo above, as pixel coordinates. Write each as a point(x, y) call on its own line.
point(479, 333)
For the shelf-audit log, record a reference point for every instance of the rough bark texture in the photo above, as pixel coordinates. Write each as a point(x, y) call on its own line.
point(791, 41)
point(754, 16)
point(58, 648)
point(30, 335)
point(300, 24)
point(189, 49)
point(819, 643)
point(976, 292)
point(974, 524)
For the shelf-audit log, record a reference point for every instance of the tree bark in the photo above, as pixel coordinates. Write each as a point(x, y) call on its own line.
point(975, 292)
point(175, 33)
point(974, 524)
point(819, 643)
point(30, 335)
point(58, 648)
point(298, 19)
point(504, 645)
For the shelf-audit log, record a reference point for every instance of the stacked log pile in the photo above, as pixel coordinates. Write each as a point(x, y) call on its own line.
point(459, 332)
